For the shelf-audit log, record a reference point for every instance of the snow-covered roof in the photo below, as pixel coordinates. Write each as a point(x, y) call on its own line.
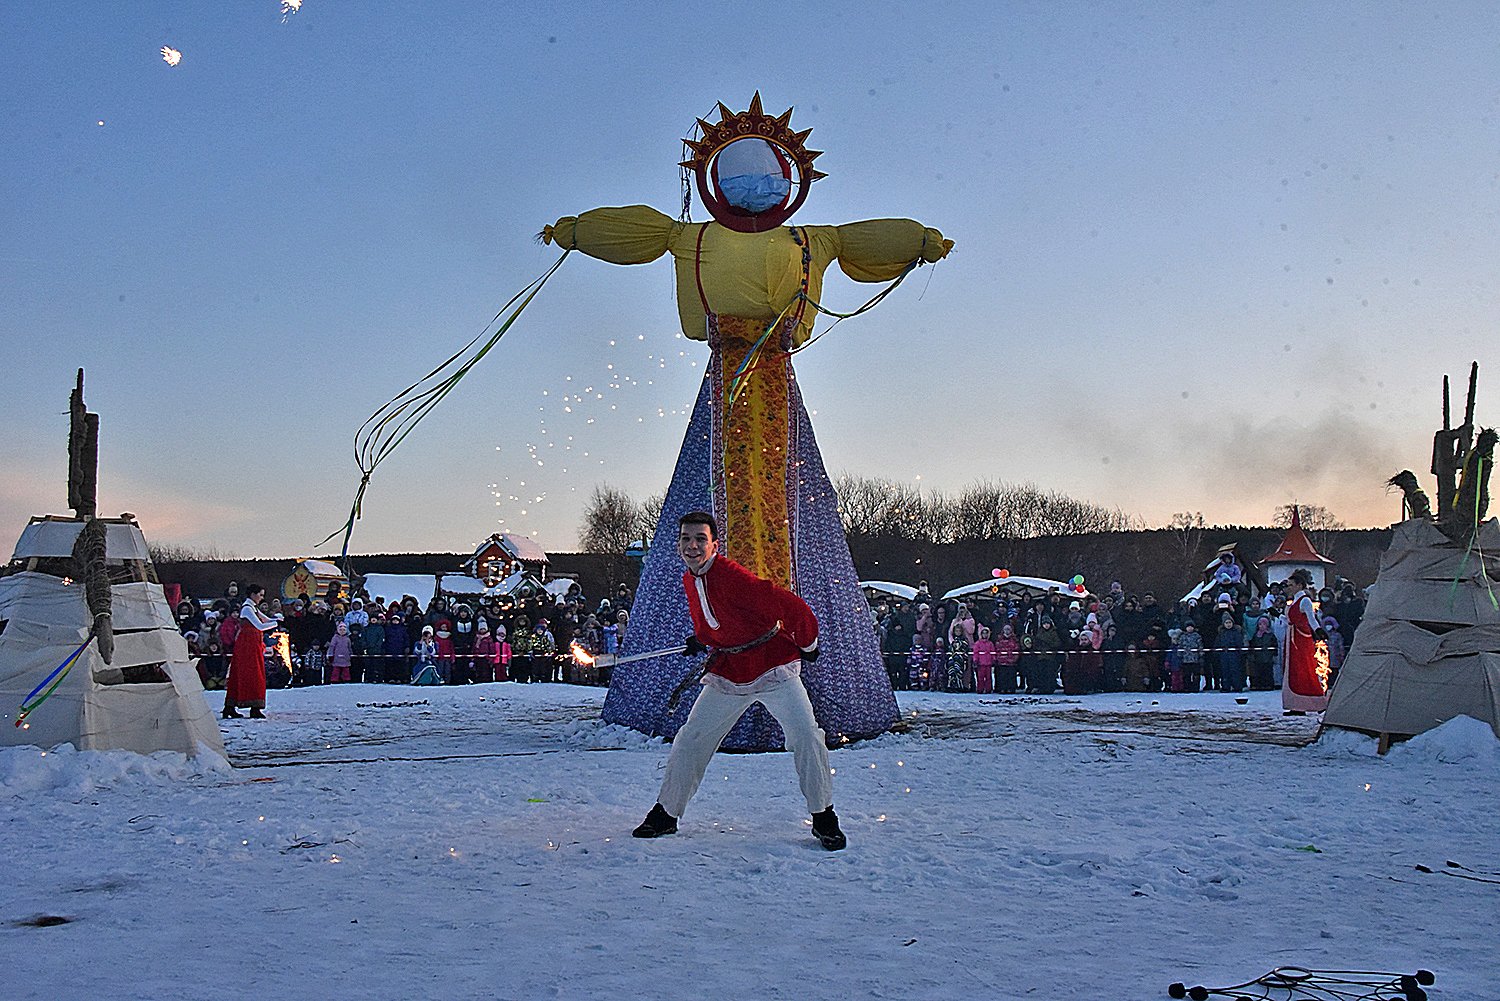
point(905, 591)
point(519, 547)
point(395, 586)
point(322, 568)
point(458, 583)
point(1013, 586)
point(1210, 588)
point(513, 583)
point(558, 586)
point(51, 537)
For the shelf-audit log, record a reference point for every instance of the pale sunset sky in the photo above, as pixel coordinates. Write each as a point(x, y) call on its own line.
point(1210, 257)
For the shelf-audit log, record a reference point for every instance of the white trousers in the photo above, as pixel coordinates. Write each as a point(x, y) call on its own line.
point(714, 715)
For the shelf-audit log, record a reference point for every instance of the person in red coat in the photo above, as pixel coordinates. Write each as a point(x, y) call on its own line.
point(758, 634)
point(1305, 684)
point(246, 686)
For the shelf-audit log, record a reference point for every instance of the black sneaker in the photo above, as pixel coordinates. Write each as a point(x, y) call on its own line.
point(826, 829)
point(657, 823)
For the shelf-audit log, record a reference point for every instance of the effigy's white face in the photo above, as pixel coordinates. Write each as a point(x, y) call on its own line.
point(696, 545)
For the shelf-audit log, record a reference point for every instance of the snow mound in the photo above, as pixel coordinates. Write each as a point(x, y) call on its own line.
point(595, 733)
point(67, 772)
point(1347, 743)
point(1462, 738)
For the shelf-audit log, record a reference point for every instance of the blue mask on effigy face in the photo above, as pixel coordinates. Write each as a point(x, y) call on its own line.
point(755, 192)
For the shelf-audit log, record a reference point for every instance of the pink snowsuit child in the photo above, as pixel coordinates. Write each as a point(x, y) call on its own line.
point(340, 655)
point(486, 654)
point(984, 662)
point(1007, 656)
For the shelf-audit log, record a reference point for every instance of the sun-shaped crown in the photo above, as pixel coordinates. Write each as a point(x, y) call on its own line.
point(734, 125)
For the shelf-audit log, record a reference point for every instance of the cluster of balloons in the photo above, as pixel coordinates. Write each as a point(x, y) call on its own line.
point(1076, 584)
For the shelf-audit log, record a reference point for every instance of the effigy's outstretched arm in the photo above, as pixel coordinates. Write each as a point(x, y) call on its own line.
point(877, 250)
point(632, 234)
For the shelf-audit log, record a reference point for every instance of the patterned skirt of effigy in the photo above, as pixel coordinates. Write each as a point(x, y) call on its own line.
point(754, 463)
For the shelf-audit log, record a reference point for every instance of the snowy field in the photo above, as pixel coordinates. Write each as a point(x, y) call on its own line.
point(384, 842)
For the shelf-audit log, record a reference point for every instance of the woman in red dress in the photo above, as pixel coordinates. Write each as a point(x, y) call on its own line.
point(1305, 685)
point(246, 686)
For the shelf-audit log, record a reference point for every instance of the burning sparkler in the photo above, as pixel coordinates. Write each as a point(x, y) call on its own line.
point(284, 649)
point(581, 656)
point(171, 55)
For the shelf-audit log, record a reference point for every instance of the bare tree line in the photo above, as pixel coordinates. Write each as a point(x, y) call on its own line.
point(169, 552)
point(984, 509)
point(872, 507)
point(612, 520)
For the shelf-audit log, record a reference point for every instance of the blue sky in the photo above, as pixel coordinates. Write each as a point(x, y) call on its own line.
point(1210, 257)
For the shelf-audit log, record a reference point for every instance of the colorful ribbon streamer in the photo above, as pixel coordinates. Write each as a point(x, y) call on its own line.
point(51, 681)
point(387, 427)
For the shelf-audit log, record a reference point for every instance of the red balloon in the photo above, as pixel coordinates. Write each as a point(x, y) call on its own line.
point(1003, 573)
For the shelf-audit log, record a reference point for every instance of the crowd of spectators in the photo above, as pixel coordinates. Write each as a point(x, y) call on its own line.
point(1229, 640)
point(396, 641)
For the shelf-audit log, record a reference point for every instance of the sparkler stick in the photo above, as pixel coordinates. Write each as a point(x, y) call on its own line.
point(669, 651)
point(582, 656)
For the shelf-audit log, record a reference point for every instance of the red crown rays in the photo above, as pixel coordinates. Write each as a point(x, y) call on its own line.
point(755, 123)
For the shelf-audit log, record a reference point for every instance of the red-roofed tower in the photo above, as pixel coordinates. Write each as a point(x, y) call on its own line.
point(1296, 552)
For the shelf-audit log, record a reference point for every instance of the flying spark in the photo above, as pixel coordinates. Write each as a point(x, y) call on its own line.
point(288, 8)
point(171, 55)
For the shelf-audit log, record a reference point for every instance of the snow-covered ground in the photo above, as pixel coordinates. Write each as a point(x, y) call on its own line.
point(383, 842)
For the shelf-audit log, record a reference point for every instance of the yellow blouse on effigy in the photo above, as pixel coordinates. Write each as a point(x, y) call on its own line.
point(751, 275)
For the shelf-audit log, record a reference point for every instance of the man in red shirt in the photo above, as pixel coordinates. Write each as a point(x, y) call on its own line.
point(758, 635)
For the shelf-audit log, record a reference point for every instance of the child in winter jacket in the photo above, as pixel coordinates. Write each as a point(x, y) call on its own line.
point(1007, 657)
point(960, 665)
point(340, 655)
point(1189, 648)
point(486, 654)
point(937, 666)
point(984, 662)
point(425, 671)
point(445, 654)
point(1137, 670)
point(916, 664)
